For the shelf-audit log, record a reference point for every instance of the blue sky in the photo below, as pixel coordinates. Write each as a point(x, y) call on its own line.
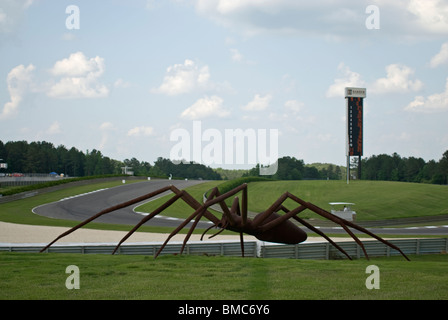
point(135, 71)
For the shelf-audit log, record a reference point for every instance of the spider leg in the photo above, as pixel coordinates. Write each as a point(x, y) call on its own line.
point(258, 220)
point(108, 210)
point(244, 205)
point(343, 223)
point(148, 217)
point(197, 219)
point(199, 211)
point(242, 244)
point(217, 233)
point(312, 228)
point(187, 237)
point(206, 230)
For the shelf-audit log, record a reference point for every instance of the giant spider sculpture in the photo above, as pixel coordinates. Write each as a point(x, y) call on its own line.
point(266, 226)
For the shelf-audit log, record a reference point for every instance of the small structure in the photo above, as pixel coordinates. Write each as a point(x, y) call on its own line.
point(343, 210)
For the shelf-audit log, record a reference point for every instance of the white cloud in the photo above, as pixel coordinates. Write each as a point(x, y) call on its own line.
point(79, 77)
point(18, 80)
point(431, 15)
point(141, 131)
point(333, 19)
point(120, 83)
point(397, 80)
point(106, 125)
point(11, 14)
point(294, 106)
point(347, 78)
point(77, 64)
point(236, 55)
point(259, 103)
point(293, 110)
point(183, 78)
point(54, 128)
point(205, 108)
point(441, 57)
point(437, 102)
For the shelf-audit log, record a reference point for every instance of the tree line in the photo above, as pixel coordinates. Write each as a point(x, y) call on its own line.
point(290, 168)
point(378, 167)
point(396, 168)
point(44, 157)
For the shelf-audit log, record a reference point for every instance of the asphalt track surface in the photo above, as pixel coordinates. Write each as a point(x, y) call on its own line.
point(82, 207)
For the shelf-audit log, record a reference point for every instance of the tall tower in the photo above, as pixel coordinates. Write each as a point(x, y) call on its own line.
point(354, 146)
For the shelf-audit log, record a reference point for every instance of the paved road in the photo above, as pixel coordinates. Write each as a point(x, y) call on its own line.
point(413, 231)
point(81, 207)
point(84, 206)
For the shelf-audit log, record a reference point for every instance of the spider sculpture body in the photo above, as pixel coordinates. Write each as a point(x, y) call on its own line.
point(268, 225)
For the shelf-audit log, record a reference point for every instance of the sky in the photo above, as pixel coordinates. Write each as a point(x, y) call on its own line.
point(122, 76)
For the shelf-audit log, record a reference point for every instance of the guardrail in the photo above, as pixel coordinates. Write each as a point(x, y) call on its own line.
point(210, 248)
point(374, 248)
point(316, 251)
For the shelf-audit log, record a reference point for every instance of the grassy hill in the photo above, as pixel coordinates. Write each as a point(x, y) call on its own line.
point(375, 200)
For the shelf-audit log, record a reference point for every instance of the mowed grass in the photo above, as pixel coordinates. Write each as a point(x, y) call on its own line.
point(375, 200)
point(43, 276)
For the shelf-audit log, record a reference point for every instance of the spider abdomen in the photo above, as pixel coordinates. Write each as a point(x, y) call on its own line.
point(286, 232)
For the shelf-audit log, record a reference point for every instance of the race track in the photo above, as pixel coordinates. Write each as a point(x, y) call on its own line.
point(82, 207)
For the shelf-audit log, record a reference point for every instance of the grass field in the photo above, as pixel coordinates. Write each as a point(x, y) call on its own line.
point(375, 200)
point(43, 276)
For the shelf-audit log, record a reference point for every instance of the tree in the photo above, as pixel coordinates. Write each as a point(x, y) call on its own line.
point(443, 168)
point(311, 173)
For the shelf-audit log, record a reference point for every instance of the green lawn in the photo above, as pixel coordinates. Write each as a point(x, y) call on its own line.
point(43, 276)
point(375, 200)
